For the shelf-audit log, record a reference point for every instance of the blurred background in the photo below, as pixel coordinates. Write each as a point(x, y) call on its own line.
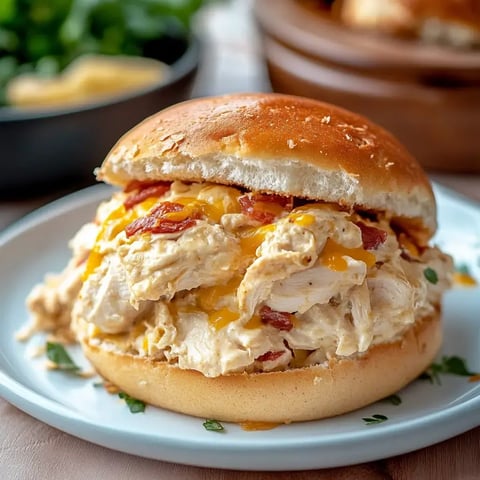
point(77, 74)
point(412, 66)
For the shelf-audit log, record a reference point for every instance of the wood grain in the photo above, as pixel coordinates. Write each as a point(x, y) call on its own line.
point(457, 458)
point(29, 449)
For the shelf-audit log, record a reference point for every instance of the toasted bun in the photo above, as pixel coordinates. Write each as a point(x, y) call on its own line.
point(293, 395)
point(279, 144)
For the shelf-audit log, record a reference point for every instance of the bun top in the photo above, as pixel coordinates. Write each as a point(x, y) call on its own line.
point(279, 144)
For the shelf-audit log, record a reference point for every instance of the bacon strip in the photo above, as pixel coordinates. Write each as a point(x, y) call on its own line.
point(142, 191)
point(372, 237)
point(156, 222)
point(280, 320)
point(251, 205)
point(269, 356)
point(166, 207)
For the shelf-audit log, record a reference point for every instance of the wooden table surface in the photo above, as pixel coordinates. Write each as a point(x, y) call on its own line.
point(30, 449)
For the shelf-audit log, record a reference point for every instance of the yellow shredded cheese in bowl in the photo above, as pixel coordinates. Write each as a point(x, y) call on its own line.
point(87, 79)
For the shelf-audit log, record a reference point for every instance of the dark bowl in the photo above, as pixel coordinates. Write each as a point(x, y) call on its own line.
point(427, 95)
point(45, 149)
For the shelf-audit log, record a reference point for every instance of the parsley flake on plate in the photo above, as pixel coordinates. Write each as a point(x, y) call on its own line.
point(213, 426)
point(393, 399)
point(374, 419)
point(452, 365)
point(57, 354)
point(462, 268)
point(134, 405)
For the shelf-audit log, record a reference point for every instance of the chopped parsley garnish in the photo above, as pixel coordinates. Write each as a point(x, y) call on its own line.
point(377, 418)
point(213, 426)
point(431, 374)
point(456, 366)
point(431, 275)
point(393, 399)
point(462, 268)
point(452, 365)
point(57, 354)
point(134, 405)
point(98, 384)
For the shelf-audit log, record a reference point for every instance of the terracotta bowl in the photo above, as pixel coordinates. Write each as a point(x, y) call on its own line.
point(428, 96)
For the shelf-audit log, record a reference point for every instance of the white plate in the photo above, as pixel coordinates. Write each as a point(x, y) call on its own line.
point(429, 413)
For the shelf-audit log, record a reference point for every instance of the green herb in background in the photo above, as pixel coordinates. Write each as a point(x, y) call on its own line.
point(213, 426)
point(374, 419)
point(134, 405)
point(44, 36)
point(431, 275)
point(450, 365)
point(57, 354)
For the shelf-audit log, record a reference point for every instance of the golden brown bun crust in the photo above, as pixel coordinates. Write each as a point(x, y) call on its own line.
point(294, 395)
point(277, 143)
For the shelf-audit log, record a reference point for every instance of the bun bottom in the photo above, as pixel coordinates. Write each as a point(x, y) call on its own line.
point(294, 395)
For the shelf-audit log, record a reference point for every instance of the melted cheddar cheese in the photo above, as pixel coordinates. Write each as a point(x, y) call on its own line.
point(333, 253)
point(302, 219)
point(208, 298)
point(251, 238)
point(464, 279)
point(112, 225)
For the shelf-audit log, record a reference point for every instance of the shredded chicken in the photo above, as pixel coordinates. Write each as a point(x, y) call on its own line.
point(195, 298)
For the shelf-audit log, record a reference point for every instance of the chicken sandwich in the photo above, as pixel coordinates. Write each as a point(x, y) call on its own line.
point(266, 258)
